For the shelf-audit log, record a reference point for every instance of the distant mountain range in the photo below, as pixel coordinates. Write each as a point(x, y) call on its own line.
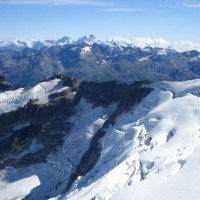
point(18, 45)
point(88, 58)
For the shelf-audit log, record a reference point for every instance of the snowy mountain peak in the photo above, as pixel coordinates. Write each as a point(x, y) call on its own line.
point(64, 40)
point(89, 39)
point(14, 44)
point(122, 42)
point(19, 45)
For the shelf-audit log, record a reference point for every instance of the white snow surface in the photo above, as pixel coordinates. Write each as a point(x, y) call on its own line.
point(151, 152)
point(11, 100)
point(184, 185)
point(18, 189)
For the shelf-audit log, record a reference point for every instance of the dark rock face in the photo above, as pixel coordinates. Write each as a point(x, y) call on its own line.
point(101, 63)
point(29, 66)
point(48, 123)
point(103, 94)
point(4, 85)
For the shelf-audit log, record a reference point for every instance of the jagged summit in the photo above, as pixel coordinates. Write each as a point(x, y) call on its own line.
point(64, 40)
point(19, 45)
point(88, 39)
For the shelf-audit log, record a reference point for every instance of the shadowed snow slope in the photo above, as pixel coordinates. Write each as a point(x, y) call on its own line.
point(151, 151)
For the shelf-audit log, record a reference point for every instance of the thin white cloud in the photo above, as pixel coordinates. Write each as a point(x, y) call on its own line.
point(191, 5)
point(147, 41)
point(142, 42)
point(162, 43)
point(54, 2)
point(125, 10)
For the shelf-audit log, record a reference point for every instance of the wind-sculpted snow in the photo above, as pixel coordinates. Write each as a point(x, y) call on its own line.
point(178, 87)
point(148, 148)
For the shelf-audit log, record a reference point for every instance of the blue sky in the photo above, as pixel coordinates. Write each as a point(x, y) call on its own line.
point(45, 19)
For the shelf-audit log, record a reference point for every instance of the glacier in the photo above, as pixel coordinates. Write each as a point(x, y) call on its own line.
point(150, 151)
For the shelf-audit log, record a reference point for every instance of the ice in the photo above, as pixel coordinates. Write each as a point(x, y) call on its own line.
point(21, 126)
point(183, 185)
point(33, 148)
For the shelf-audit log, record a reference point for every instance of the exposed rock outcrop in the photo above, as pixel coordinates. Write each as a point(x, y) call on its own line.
point(4, 85)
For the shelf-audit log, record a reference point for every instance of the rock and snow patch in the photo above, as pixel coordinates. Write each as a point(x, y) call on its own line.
point(85, 50)
point(54, 174)
point(143, 59)
point(33, 148)
point(11, 100)
point(162, 52)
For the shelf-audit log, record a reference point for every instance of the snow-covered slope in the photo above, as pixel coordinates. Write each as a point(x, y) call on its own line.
point(152, 151)
point(11, 100)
